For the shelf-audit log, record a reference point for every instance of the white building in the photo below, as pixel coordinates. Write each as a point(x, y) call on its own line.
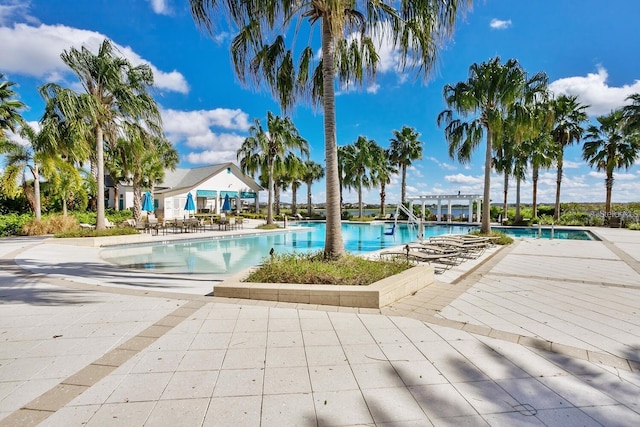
point(208, 186)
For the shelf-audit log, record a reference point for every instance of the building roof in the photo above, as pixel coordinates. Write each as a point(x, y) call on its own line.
point(189, 178)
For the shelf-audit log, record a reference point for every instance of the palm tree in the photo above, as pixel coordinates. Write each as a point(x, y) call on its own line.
point(632, 112)
point(65, 178)
point(10, 107)
point(312, 172)
point(569, 114)
point(417, 29)
point(538, 147)
point(115, 93)
point(404, 149)
point(609, 147)
point(294, 168)
point(490, 91)
point(381, 172)
point(358, 166)
point(18, 159)
point(264, 149)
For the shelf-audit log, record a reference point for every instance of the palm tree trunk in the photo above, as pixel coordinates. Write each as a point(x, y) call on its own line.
point(36, 190)
point(608, 183)
point(518, 218)
point(333, 246)
point(360, 200)
point(404, 183)
point(309, 207)
point(137, 197)
point(556, 213)
point(505, 206)
point(116, 204)
point(270, 196)
point(486, 201)
point(535, 174)
point(100, 224)
point(276, 199)
point(383, 196)
point(294, 191)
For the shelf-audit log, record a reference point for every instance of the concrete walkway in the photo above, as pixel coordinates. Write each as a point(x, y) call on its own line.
point(539, 333)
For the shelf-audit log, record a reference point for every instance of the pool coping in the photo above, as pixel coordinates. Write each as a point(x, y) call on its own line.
point(376, 295)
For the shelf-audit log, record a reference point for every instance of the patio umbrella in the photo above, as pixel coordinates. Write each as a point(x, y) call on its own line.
point(226, 206)
point(147, 203)
point(189, 206)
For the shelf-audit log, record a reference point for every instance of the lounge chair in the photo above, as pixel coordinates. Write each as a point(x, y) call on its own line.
point(431, 249)
point(470, 250)
point(445, 261)
point(108, 223)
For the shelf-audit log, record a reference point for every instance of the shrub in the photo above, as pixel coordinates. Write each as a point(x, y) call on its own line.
point(12, 224)
point(50, 225)
point(503, 238)
point(97, 233)
point(314, 269)
point(634, 226)
point(574, 218)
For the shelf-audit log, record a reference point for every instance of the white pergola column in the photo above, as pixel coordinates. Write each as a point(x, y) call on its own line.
point(478, 210)
point(439, 210)
point(470, 209)
point(450, 212)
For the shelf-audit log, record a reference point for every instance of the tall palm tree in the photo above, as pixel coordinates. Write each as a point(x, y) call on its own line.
point(358, 166)
point(610, 147)
point(490, 91)
point(632, 112)
point(569, 115)
point(382, 170)
point(18, 159)
point(294, 169)
point(312, 172)
point(260, 56)
point(10, 118)
point(264, 149)
point(404, 149)
point(115, 93)
point(538, 146)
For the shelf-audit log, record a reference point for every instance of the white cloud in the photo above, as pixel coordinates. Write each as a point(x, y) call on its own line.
point(160, 7)
point(35, 51)
point(194, 129)
point(499, 24)
point(195, 122)
point(464, 179)
point(594, 91)
point(373, 88)
point(11, 10)
point(442, 165)
point(211, 157)
point(568, 164)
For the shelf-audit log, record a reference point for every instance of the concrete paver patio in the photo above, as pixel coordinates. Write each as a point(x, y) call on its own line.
point(539, 333)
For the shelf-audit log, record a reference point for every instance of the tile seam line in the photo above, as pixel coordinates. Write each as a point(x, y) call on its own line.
point(533, 342)
point(192, 306)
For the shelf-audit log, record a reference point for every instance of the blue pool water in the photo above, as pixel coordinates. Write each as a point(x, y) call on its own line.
point(226, 256)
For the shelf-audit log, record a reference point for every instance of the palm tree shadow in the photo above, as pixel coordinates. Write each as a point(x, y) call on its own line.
point(19, 285)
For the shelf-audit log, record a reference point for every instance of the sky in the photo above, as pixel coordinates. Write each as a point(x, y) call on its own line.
point(587, 48)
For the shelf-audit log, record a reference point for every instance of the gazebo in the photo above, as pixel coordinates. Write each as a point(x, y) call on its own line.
point(449, 200)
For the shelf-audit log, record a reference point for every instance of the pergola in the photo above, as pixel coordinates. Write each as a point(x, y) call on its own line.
point(449, 200)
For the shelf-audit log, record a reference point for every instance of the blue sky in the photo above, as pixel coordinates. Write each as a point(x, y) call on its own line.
point(587, 48)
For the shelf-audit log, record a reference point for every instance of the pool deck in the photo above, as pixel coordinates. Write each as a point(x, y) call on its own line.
point(543, 332)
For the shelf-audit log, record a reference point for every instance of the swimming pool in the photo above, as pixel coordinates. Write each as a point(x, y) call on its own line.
point(227, 256)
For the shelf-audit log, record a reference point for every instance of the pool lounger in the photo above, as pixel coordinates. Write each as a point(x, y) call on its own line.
point(445, 261)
